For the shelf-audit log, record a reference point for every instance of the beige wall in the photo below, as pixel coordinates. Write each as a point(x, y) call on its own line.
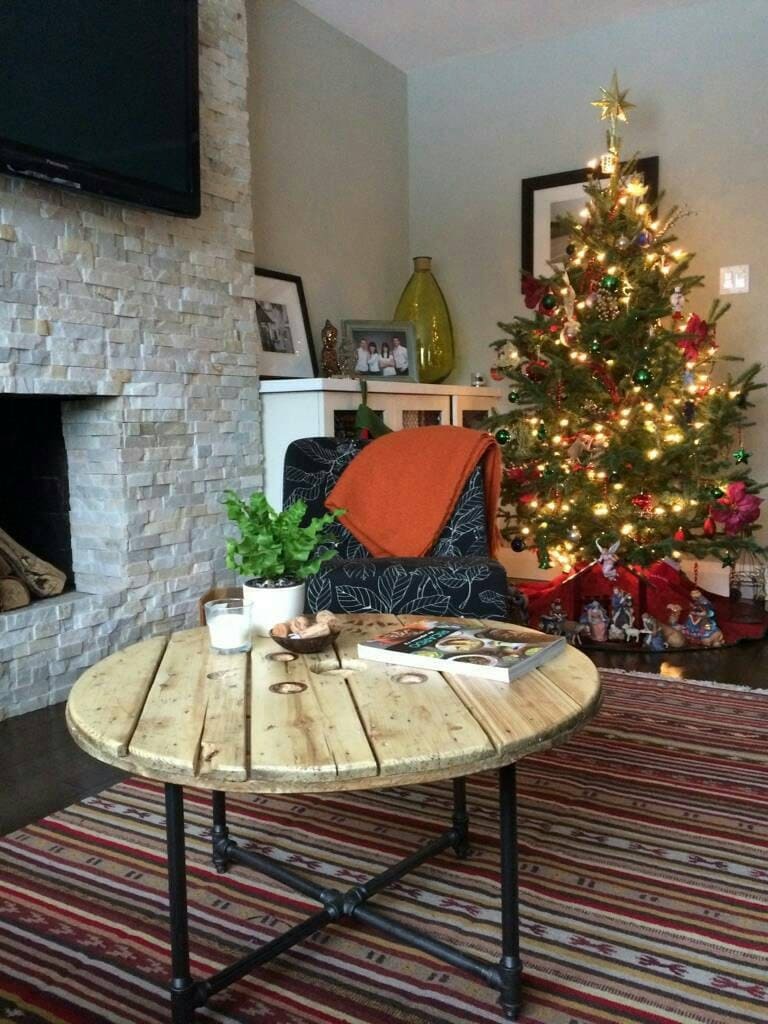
point(335, 148)
point(479, 125)
point(328, 123)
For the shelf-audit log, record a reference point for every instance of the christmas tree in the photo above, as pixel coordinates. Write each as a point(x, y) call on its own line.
point(624, 427)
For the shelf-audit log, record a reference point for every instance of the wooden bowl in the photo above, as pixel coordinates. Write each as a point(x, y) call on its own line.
point(308, 645)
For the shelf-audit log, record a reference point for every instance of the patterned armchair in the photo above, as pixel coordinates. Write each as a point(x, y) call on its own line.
point(457, 577)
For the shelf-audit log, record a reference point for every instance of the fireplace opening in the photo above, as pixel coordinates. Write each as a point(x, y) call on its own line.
point(34, 485)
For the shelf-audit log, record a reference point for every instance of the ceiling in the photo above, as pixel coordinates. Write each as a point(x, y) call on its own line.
point(416, 33)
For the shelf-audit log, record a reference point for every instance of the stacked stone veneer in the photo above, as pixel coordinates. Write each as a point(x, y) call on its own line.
point(144, 324)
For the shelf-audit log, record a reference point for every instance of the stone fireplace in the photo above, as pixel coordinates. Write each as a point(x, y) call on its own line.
point(128, 336)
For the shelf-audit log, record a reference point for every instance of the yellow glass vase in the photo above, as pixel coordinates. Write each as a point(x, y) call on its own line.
point(423, 302)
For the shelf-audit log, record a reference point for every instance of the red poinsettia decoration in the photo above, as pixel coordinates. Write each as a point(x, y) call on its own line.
point(696, 335)
point(534, 290)
point(737, 508)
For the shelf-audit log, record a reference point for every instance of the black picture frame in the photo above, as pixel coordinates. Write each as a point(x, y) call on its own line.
point(278, 291)
point(647, 166)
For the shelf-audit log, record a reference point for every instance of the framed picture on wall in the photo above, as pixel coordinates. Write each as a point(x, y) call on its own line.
point(283, 332)
point(549, 197)
point(381, 349)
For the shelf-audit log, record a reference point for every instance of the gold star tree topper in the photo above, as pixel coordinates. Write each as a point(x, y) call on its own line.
point(614, 103)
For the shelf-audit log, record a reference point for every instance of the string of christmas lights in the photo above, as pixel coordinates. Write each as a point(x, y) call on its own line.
point(619, 429)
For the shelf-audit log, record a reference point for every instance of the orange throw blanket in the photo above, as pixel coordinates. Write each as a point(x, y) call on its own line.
point(401, 489)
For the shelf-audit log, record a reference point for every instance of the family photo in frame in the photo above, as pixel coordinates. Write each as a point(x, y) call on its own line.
point(381, 349)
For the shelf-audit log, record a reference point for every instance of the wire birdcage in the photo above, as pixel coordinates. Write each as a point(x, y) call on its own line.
point(747, 581)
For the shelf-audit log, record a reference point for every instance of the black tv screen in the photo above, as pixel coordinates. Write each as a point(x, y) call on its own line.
point(102, 96)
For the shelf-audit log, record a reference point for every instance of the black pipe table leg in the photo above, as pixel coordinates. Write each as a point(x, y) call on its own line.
point(510, 967)
point(220, 832)
point(182, 986)
point(460, 818)
point(505, 976)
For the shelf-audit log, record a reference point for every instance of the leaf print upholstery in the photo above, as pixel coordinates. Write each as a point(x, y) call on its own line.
point(411, 586)
point(458, 577)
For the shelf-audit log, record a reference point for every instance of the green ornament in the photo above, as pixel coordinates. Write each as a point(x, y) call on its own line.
point(614, 477)
point(514, 396)
point(503, 436)
point(642, 376)
point(594, 345)
point(549, 301)
point(544, 562)
point(741, 454)
point(727, 561)
point(716, 492)
point(541, 433)
point(610, 282)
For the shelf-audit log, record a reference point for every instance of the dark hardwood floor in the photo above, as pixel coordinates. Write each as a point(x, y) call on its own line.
point(746, 664)
point(42, 770)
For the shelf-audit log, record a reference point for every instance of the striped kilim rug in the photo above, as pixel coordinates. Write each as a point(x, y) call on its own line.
point(644, 879)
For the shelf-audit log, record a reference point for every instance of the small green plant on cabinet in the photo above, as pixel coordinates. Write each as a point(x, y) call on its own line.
point(273, 546)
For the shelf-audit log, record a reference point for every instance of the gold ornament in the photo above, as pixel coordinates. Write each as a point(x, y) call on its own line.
point(606, 305)
point(614, 104)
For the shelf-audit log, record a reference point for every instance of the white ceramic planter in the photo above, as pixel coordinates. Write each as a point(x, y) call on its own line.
point(270, 605)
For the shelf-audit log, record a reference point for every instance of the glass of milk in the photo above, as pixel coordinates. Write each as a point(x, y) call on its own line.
point(229, 626)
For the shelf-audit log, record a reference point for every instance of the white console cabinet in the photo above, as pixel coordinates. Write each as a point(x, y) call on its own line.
point(325, 407)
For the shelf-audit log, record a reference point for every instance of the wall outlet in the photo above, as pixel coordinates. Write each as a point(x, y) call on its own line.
point(734, 280)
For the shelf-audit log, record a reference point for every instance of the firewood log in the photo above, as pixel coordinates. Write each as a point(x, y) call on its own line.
point(13, 594)
point(42, 578)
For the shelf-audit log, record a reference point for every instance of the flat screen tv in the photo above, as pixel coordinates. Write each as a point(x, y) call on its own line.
point(102, 96)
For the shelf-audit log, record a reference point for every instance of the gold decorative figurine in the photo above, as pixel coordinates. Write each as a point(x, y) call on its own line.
point(329, 357)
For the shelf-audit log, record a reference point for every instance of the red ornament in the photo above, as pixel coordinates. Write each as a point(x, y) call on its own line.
point(679, 533)
point(559, 393)
point(710, 527)
point(600, 372)
point(535, 370)
point(523, 474)
point(497, 373)
point(643, 501)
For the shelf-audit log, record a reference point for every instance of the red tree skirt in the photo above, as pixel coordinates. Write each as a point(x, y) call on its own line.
point(652, 589)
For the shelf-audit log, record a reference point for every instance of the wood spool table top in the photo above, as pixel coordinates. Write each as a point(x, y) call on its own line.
point(171, 709)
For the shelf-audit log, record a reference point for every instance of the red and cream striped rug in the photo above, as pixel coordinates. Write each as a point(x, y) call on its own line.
point(644, 883)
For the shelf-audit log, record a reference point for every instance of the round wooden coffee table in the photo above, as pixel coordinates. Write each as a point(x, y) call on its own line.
point(170, 709)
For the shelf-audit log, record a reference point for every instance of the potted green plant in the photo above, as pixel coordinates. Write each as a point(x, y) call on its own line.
point(275, 553)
